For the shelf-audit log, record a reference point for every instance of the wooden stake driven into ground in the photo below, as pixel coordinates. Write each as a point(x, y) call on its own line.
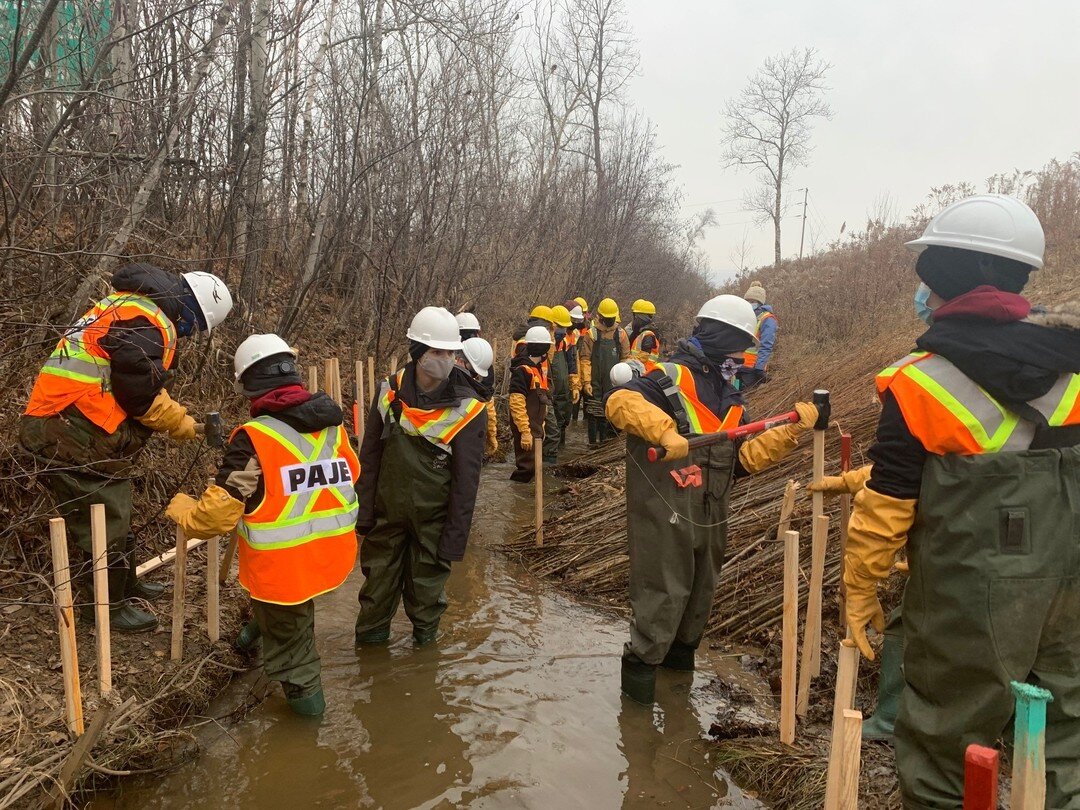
point(213, 586)
point(65, 615)
point(360, 404)
point(538, 461)
point(328, 376)
point(99, 542)
point(980, 778)
point(393, 364)
point(789, 638)
point(79, 752)
point(179, 586)
point(812, 631)
point(850, 761)
point(313, 378)
point(845, 517)
point(847, 676)
point(818, 571)
point(1029, 747)
point(372, 393)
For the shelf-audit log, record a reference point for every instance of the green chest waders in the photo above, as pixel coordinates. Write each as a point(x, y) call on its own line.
point(605, 354)
point(399, 556)
point(993, 596)
point(676, 540)
point(560, 394)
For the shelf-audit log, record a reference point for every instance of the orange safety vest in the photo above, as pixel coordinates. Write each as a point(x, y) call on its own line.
point(78, 372)
point(300, 541)
point(750, 355)
point(700, 418)
point(538, 377)
point(640, 354)
point(438, 425)
point(949, 413)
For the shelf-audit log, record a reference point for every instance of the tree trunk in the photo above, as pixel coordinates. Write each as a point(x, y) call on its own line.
point(778, 208)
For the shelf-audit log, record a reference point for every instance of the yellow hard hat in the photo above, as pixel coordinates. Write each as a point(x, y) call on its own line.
point(582, 303)
point(542, 312)
point(608, 309)
point(560, 316)
point(643, 307)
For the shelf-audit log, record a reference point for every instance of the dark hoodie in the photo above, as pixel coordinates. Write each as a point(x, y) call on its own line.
point(239, 472)
point(985, 335)
point(465, 459)
point(135, 347)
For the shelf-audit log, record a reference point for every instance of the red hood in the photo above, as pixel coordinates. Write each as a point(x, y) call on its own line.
point(280, 399)
point(987, 303)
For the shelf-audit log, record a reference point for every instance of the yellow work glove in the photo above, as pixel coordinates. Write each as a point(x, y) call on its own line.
point(846, 483)
point(526, 441)
point(216, 512)
point(630, 411)
point(519, 413)
point(587, 388)
point(774, 445)
point(878, 529)
point(165, 415)
point(491, 445)
point(674, 444)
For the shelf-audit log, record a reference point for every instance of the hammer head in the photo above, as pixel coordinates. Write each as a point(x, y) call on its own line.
point(215, 433)
point(824, 409)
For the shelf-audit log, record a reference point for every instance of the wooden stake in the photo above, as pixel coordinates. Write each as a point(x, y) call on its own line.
point(359, 403)
point(340, 399)
point(313, 378)
point(538, 480)
point(847, 673)
point(393, 364)
point(328, 376)
point(99, 544)
point(789, 637)
point(226, 561)
point(213, 585)
point(65, 615)
point(1029, 752)
point(845, 517)
point(850, 760)
point(819, 510)
point(79, 752)
point(787, 506)
point(179, 584)
point(980, 778)
point(154, 563)
point(812, 629)
point(371, 378)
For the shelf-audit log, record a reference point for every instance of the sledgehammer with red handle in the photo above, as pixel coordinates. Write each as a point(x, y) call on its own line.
point(731, 434)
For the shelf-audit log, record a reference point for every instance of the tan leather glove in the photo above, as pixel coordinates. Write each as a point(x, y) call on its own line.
point(847, 483)
point(165, 415)
point(520, 414)
point(773, 446)
point(216, 512)
point(878, 529)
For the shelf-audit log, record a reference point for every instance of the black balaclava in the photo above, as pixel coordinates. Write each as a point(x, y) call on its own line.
point(416, 350)
point(717, 340)
point(607, 323)
point(951, 272)
point(536, 349)
point(268, 374)
point(641, 321)
point(469, 333)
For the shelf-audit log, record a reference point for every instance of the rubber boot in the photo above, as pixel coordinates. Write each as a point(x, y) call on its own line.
point(377, 636)
point(248, 638)
point(124, 616)
point(680, 657)
point(639, 681)
point(133, 586)
point(312, 705)
point(881, 724)
point(425, 637)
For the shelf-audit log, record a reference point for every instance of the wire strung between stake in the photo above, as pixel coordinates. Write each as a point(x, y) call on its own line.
point(674, 512)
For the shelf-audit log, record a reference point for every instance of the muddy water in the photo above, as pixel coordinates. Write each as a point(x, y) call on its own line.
point(516, 705)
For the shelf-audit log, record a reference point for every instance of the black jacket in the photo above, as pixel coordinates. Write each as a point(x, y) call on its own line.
point(465, 460)
point(240, 473)
point(135, 348)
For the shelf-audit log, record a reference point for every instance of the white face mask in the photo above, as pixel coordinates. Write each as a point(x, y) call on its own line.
point(438, 368)
point(536, 359)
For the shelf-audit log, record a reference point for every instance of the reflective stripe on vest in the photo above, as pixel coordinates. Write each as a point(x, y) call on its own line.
point(312, 496)
point(438, 425)
point(750, 355)
point(949, 413)
point(640, 354)
point(701, 419)
point(79, 371)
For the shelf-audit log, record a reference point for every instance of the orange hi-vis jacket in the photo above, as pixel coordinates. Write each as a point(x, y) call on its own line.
point(78, 372)
point(300, 541)
point(639, 353)
point(949, 413)
point(438, 425)
point(751, 354)
point(700, 419)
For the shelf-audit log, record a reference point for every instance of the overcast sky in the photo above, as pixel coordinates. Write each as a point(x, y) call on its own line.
point(925, 92)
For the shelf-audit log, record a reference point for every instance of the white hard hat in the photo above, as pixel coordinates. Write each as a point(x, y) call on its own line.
point(576, 313)
point(732, 310)
point(987, 223)
point(213, 296)
point(466, 320)
point(538, 334)
point(479, 355)
point(624, 372)
point(256, 348)
point(436, 328)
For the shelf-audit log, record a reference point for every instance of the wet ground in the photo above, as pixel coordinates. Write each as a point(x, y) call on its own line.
point(516, 705)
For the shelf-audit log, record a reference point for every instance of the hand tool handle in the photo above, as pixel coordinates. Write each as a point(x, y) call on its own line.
point(730, 435)
point(845, 452)
point(215, 433)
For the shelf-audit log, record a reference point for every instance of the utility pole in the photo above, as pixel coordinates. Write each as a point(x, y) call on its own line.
point(802, 239)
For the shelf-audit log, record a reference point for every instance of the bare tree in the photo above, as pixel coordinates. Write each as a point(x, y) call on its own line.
point(767, 127)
